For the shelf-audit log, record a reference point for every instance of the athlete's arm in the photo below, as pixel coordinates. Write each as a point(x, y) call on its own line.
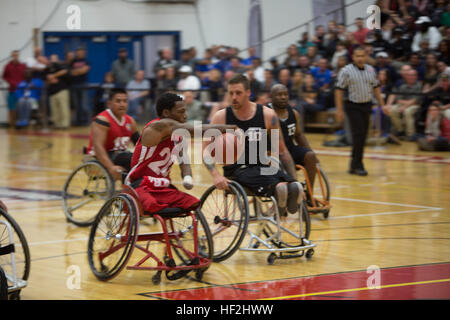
point(99, 134)
point(299, 136)
point(220, 181)
point(134, 132)
point(272, 123)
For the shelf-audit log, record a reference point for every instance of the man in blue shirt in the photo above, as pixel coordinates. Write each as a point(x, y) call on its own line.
point(322, 74)
point(28, 94)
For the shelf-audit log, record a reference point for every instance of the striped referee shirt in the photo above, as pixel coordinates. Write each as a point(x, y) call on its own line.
point(360, 82)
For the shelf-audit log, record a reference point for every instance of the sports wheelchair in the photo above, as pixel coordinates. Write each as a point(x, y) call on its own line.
point(14, 258)
point(316, 205)
point(187, 244)
point(228, 215)
point(86, 190)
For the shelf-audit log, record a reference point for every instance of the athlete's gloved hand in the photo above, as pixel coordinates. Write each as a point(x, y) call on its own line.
point(188, 183)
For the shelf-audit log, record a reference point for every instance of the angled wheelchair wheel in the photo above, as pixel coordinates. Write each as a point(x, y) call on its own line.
point(326, 185)
point(22, 257)
point(113, 236)
point(186, 241)
point(292, 232)
point(85, 191)
point(226, 213)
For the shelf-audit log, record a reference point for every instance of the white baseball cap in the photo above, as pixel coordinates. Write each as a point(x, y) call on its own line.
point(382, 54)
point(185, 69)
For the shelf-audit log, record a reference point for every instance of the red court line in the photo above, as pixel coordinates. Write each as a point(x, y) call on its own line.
point(430, 281)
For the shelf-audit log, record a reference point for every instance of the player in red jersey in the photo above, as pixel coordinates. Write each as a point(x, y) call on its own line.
point(111, 132)
point(155, 153)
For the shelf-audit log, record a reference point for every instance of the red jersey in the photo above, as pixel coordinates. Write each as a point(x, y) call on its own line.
point(153, 161)
point(119, 133)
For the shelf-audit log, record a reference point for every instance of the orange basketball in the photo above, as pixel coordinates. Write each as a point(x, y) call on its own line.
point(227, 148)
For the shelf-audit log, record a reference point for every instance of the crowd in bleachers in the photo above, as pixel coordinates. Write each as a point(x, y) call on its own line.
point(410, 53)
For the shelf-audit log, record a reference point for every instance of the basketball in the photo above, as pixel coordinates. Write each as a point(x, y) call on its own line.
point(227, 148)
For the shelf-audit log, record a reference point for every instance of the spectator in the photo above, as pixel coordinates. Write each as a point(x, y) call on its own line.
point(440, 7)
point(426, 31)
point(304, 43)
point(319, 39)
point(310, 99)
point(291, 61)
point(187, 80)
point(322, 75)
point(79, 69)
point(304, 65)
point(443, 68)
point(168, 81)
point(186, 60)
point(403, 105)
point(58, 91)
point(205, 64)
point(378, 43)
point(436, 130)
point(165, 61)
point(284, 78)
point(138, 89)
point(424, 49)
point(341, 62)
point(28, 95)
point(275, 67)
point(258, 70)
point(269, 81)
point(350, 43)
point(235, 65)
point(384, 123)
point(431, 72)
point(194, 108)
point(37, 63)
point(403, 73)
point(102, 93)
point(224, 60)
point(123, 69)
point(361, 33)
point(341, 51)
point(312, 55)
point(13, 73)
point(251, 55)
point(415, 63)
point(443, 51)
point(297, 85)
point(399, 47)
point(213, 83)
point(255, 86)
point(445, 17)
point(342, 32)
point(382, 63)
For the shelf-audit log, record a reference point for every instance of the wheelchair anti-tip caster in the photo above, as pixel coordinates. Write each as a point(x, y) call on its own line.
point(271, 258)
point(309, 253)
point(156, 279)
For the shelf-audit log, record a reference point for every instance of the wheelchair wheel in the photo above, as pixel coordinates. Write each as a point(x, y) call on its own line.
point(3, 285)
point(204, 238)
point(226, 213)
point(85, 191)
point(292, 224)
point(113, 236)
point(327, 190)
point(21, 251)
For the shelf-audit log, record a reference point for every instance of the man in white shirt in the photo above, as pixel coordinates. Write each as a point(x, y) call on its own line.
point(187, 80)
point(426, 32)
point(137, 89)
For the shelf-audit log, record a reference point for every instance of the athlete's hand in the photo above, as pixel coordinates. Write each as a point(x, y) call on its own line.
point(221, 182)
point(116, 172)
point(188, 183)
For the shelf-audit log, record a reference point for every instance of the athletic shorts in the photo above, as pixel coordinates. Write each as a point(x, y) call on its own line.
point(154, 199)
point(251, 178)
point(298, 154)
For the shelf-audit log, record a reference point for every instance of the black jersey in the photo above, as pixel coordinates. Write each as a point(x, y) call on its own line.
point(255, 138)
point(288, 127)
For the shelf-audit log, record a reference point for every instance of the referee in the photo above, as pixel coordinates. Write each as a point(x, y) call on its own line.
point(361, 81)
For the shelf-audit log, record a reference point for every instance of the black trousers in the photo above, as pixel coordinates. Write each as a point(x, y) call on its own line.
point(358, 115)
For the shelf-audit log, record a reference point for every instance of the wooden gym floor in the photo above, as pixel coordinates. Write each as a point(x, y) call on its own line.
point(396, 219)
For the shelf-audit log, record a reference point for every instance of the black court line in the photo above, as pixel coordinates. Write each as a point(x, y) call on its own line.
point(291, 278)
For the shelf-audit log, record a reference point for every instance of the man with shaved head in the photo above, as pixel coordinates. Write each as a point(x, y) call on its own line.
point(294, 138)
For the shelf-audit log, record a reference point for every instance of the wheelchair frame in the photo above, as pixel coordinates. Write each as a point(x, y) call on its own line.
point(273, 243)
point(197, 262)
point(318, 205)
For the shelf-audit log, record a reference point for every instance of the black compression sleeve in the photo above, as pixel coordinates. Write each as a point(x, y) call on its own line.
point(102, 122)
point(135, 137)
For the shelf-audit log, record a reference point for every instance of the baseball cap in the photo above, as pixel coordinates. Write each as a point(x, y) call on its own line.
point(185, 69)
point(423, 19)
point(382, 54)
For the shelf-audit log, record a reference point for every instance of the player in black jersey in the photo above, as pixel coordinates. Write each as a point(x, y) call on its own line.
point(294, 139)
point(256, 121)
